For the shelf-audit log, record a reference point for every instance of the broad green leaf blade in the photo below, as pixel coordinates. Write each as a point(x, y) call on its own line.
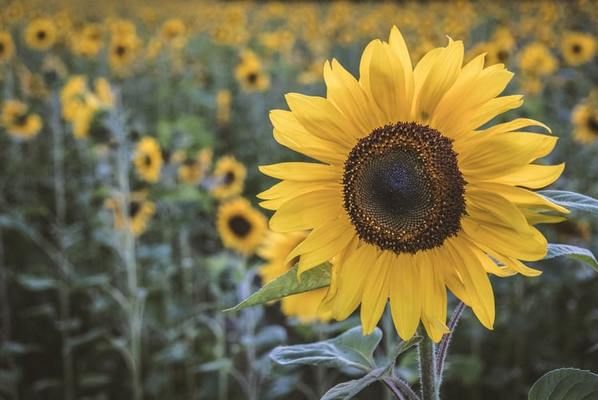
point(350, 349)
point(349, 389)
point(286, 285)
point(571, 200)
point(565, 384)
point(573, 252)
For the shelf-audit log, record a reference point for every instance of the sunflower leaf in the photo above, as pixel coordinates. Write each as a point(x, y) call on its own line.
point(571, 200)
point(573, 252)
point(286, 285)
point(349, 389)
point(350, 349)
point(565, 384)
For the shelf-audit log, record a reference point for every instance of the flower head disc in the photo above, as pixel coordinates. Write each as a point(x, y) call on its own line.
point(402, 188)
point(410, 196)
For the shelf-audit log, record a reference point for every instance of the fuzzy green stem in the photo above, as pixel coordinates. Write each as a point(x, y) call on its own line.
point(427, 369)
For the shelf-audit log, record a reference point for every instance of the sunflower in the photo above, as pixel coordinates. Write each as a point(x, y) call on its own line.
point(122, 52)
point(536, 59)
point(585, 122)
point(148, 159)
point(250, 74)
point(411, 195)
point(240, 226)
point(18, 121)
point(173, 31)
point(40, 34)
point(139, 212)
point(275, 250)
point(7, 46)
point(193, 169)
point(578, 48)
point(88, 41)
point(229, 176)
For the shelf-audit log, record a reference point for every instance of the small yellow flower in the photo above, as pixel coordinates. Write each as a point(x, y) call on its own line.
point(241, 227)
point(18, 121)
point(578, 48)
point(275, 250)
point(250, 73)
point(88, 41)
point(585, 123)
point(536, 59)
point(137, 214)
point(7, 46)
point(174, 31)
point(122, 53)
point(193, 169)
point(40, 34)
point(229, 177)
point(148, 159)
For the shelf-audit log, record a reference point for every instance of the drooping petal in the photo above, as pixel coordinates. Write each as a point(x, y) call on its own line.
point(375, 292)
point(405, 297)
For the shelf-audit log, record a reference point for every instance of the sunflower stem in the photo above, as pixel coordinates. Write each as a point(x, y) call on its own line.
point(446, 341)
point(427, 369)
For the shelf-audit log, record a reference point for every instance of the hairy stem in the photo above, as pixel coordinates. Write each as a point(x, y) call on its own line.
point(427, 368)
point(446, 341)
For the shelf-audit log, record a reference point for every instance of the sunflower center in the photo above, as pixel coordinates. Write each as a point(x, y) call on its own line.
point(403, 189)
point(41, 35)
point(239, 225)
point(593, 124)
point(229, 178)
point(502, 55)
point(120, 50)
point(252, 78)
point(1, 47)
point(134, 208)
point(576, 48)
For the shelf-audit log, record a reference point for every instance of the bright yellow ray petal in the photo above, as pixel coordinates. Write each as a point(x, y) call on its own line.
point(307, 211)
point(375, 293)
point(405, 298)
point(301, 171)
point(532, 176)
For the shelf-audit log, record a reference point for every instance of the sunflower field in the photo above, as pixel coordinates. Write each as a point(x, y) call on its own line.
point(298, 200)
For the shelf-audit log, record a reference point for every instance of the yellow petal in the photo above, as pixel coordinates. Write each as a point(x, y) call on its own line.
point(325, 253)
point(433, 293)
point(301, 171)
point(307, 211)
point(375, 292)
point(532, 176)
point(405, 298)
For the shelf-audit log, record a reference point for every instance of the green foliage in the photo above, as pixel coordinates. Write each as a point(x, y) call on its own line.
point(287, 284)
point(565, 384)
point(573, 252)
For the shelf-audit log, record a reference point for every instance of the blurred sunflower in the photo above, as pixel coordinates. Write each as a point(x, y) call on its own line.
point(229, 176)
point(412, 196)
point(18, 121)
point(193, 169)
point(40, 34)
point(240, 226)
point(53, 70)
point(88, 41)
point(250, 74)
point(537, 60)
point(578, 48)
point(122, 53)
point(585, 123)
point(148, 159)
point(7, 46)
point(173, 32)
point(31, 84)
point(139, 212)
point(275, 250)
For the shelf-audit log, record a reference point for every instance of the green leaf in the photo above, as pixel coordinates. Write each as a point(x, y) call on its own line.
point(349, 389)
point(350, 349)
point(286, 285)
point(572, 200)
point(565, 384)
point(573, 252)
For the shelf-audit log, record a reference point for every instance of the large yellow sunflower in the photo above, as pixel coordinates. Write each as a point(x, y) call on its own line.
point(229, 177)
point(275, 250)
point(241, 227)
point(411, 195)
point(148, 159)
